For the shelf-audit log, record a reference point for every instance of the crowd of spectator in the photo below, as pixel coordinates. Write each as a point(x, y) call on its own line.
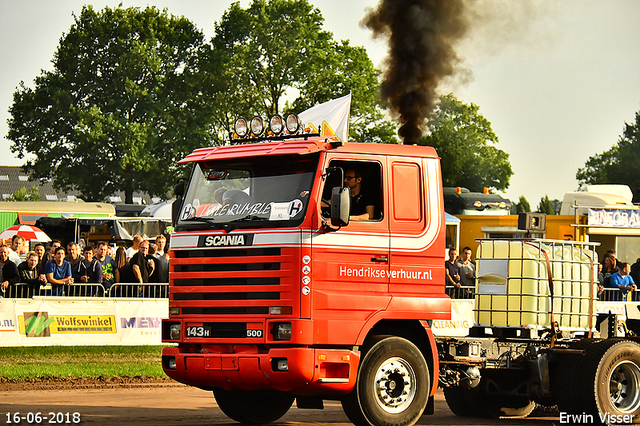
point(90, 271)
point(616, 280)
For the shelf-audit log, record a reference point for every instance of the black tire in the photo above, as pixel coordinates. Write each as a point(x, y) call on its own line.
point(392, 387)
point(253, 407)
point(473, 402)
point(615, 365)
point(563, 377)
point(464, 402)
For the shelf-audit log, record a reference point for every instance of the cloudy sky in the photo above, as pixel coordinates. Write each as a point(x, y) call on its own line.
point(557, 79)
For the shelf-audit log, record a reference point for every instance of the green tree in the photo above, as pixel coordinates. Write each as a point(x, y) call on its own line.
point(25, 194)
point(276, 50)
point(546, 206)
point(617, 165)
point(522, 206)
point(465, 142)
point(129, 94)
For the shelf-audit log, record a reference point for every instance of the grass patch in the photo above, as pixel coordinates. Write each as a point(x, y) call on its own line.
point(80, 361)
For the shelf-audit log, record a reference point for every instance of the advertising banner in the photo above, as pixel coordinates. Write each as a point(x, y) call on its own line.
point(618, 218)
point(461, 319)
point(45, 322)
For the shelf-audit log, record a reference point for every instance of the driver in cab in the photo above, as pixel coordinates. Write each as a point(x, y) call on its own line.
point(362, 203)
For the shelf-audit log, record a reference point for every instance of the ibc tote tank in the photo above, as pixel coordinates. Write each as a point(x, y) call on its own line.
point(513, 288)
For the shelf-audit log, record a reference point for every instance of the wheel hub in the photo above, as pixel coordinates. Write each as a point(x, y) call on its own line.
point(624, 387)
point(395, 385)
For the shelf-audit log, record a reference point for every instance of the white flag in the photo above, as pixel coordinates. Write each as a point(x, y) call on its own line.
point(330, 119)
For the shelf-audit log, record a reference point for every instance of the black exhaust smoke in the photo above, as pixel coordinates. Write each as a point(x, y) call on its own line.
point(421, 35)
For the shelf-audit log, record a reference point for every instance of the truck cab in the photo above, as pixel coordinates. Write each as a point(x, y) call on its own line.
point(277, 293)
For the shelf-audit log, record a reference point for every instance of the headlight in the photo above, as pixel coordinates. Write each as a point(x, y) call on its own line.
point(241, 127)
point(174, 310)
point(276, 125)
point(257, 126)
point(174, 332)
point(282, 331)
point(280, 310)
point(169, 362)
point(293, 123)
point(280, 364)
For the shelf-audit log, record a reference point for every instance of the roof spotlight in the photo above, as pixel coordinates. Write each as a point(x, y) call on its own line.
point(257, 126)
point(276, 124)
point(293, 123)
point(241, 127)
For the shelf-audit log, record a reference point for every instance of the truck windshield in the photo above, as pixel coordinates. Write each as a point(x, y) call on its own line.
point(273, 191)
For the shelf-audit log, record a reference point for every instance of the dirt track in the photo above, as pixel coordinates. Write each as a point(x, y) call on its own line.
point(172, 404)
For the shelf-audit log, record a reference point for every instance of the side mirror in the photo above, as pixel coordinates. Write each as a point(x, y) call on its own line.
point(340, 206)
point(178, 189)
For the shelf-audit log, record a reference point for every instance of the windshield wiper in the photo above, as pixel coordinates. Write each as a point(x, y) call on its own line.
point(209, 220)
point(200, 218)
point(248, 218)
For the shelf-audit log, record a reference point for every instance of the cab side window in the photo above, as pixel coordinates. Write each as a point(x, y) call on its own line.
point(364, 180)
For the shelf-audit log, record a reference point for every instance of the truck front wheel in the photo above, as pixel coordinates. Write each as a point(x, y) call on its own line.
point(392, 387)
point(253, 407)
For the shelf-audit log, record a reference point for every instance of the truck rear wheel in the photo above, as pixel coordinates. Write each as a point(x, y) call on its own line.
point(563, 377)
point(253, 407)
point(392, 387)
point(615, 365)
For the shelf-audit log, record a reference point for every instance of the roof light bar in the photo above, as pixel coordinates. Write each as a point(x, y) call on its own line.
point(241, 127)
point(257, 126)
point(276, 124)
point(293, 123)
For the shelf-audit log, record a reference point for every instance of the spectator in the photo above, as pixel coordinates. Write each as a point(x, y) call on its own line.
point(609, 268)
point(29, 274)
point(90, 267)
point(452, 274)
point(8, 269)
point(134, 248)
point(161, 266)
point(52, 249)
point(107, 263)
point(635, 271)
point(42, 258)
point(611, 252)
point(142, 267)
point(623, 281)
point(600, 282)
point(17, 246)
point(467, 269)
point(123, 268)
point(161, 243)
point(58, 272)
point(75, 259)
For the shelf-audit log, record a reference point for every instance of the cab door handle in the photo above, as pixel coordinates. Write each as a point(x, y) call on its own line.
point(380, 259)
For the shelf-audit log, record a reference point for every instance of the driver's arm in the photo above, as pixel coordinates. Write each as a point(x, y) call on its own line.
point(365, 216)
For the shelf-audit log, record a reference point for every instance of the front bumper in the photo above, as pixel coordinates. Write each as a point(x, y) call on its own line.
point(310, 371)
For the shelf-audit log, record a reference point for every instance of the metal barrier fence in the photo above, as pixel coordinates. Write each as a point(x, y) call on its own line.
point(161, 290)
point(608, 295)
point(147, 290)
point(462, 292)
point(615, 295)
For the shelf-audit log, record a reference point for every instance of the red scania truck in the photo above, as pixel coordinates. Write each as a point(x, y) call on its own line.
point(276, 295)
